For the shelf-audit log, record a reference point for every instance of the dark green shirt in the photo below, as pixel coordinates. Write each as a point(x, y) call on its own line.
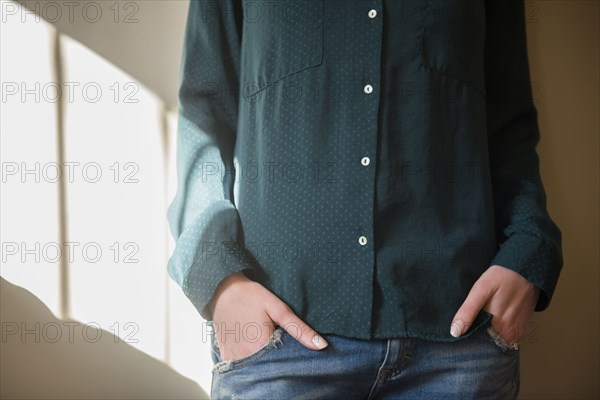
point(366, 160)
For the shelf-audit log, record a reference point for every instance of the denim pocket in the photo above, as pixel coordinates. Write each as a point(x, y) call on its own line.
point(494, 337)
point(214, 348)
point(230, 365)
point(453, 39)
point(280, 39)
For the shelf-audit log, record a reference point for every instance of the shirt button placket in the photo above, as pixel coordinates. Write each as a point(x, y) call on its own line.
point(366, 93)
point(368, 89)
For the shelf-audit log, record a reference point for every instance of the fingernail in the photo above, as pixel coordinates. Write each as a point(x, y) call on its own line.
point(319, 342)
point(456, 328)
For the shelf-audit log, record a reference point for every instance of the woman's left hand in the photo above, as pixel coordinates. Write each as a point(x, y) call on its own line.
point(505, 294)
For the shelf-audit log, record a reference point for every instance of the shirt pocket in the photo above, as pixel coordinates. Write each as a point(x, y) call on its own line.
point(280, 39)
point(453, 39)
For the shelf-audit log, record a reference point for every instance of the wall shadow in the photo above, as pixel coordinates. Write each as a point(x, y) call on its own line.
point(43, 357)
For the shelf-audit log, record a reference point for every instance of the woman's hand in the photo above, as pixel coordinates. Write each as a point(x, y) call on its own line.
point(505, 294)
point(245, 314)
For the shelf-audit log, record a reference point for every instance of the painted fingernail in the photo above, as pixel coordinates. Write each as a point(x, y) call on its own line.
point(319, 342)
point(456, 328)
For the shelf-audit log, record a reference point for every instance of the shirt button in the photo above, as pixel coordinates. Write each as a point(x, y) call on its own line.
point(362, 240)
point(365, 161)
point(372, 13)
point(368, 89)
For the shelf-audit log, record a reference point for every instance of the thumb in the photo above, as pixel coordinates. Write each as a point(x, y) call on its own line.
point(466, 314)
point(298, 329)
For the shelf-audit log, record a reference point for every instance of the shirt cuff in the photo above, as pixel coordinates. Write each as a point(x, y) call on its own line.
point(208, 250)
point(536, 260)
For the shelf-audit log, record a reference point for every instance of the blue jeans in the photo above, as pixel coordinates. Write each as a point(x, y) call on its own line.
point(472, 368)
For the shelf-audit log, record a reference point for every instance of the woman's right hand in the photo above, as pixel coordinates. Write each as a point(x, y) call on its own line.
point(245, 314)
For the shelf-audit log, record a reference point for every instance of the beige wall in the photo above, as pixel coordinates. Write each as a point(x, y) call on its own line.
point(564, 57)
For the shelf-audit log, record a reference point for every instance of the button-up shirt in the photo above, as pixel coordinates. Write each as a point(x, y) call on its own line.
point(366, 161)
